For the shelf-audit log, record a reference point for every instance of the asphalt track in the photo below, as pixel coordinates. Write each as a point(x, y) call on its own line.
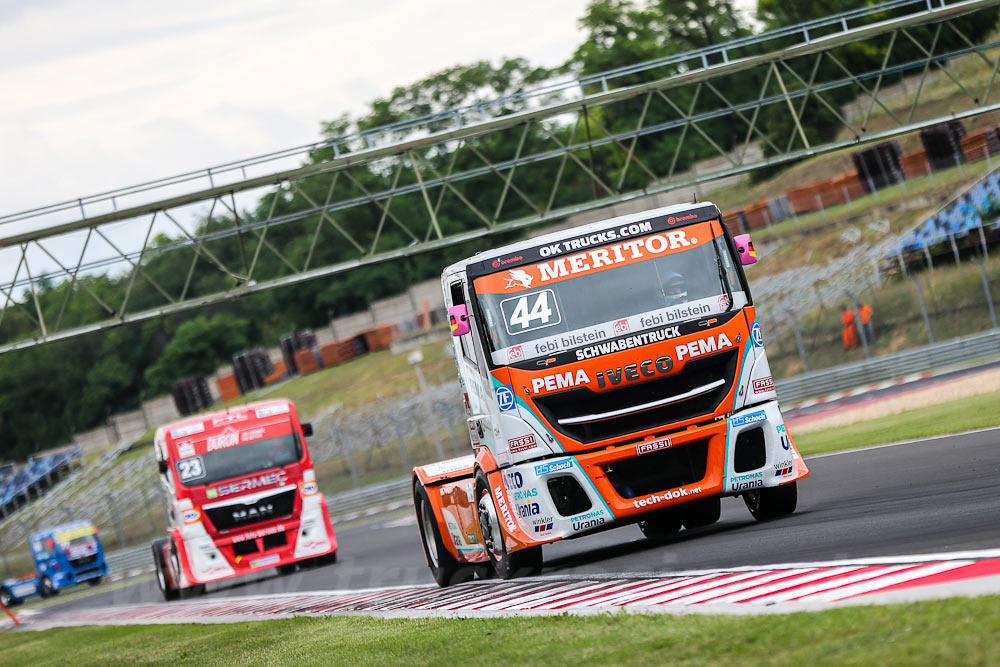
point(936, 495)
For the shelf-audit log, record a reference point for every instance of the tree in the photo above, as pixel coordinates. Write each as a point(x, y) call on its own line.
point(697, 24)
point(197, 348)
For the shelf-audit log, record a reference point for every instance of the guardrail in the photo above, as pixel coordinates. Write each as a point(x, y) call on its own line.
point(123, 560)
point(915, 360)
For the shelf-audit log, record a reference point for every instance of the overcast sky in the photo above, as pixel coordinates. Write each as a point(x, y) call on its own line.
point(100, 94)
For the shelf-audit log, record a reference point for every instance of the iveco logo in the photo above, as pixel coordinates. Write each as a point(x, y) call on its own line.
point(255, 512)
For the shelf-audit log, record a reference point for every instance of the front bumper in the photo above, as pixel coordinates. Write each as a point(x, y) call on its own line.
point(204, 559)
point(751, 449)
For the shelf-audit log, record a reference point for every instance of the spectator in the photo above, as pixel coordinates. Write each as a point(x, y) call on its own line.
point(847, 321)
point(865, 312)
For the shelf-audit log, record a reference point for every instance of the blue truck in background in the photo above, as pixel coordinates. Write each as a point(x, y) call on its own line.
point(64, 556)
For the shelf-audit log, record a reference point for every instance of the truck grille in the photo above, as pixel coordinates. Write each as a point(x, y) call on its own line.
point(238, 515)
point(583, 401)
point(659, 471)
point(84, 562)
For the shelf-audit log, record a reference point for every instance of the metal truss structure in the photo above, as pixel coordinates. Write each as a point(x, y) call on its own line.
point(491, 168)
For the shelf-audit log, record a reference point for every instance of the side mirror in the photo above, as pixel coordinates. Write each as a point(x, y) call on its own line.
point(744, 247)
point(458, 317)
point(307, 429)
point(163, 467)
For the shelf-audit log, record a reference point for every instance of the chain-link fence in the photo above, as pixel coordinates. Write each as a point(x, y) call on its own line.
point(383, 440)
point(920, 306)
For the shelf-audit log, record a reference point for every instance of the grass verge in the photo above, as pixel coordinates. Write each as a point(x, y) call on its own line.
point(953, 631)
point(963, 414)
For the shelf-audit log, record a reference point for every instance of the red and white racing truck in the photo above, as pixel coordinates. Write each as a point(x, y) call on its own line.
point(613, 373)
point(241, 497)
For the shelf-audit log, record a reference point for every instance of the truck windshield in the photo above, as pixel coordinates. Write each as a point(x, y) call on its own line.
point(240, 460)
point(609, 291)
point(80, 546)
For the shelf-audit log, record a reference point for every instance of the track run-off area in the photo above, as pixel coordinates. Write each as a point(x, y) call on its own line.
point(886, 523)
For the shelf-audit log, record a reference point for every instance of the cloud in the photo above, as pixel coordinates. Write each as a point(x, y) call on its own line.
point(107, 93)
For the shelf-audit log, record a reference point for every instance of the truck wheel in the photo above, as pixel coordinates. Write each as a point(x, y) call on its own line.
point(327, 559)
point(46, 589)
point(287, 568)
point(662, 525)
point(193, 591)
point(5, 597)
point(163, 581)
point(701, 512)
point(444, 567)
point(506, 564)
point(96, 581)
point(772, 502)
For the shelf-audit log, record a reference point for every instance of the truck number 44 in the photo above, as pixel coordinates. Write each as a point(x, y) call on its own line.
point(531, 311)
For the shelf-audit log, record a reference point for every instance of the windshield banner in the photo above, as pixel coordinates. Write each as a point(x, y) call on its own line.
point(609, 337)
point(592, 261)
point(231, 437)
point(74, 533)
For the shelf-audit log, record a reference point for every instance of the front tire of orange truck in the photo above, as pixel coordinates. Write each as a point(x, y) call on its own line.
point(507, 564)
point(772, 502)
point(662, 525)
point(701, 512)
point(444, 567)
point(162, 580)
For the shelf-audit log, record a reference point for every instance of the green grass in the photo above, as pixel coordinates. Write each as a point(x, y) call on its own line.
point(951, 417)
point(940, 632)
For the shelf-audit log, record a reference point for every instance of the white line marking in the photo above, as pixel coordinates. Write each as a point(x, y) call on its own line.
point(782, 585)
point(554, 597)
point(752, 585)
point(882, 582)
point(840, 582)
point(614, 597)
point(928, 438)
point(705, 585)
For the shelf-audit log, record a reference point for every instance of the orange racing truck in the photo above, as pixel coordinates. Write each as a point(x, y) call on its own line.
point(241, 497)
point(613, 373)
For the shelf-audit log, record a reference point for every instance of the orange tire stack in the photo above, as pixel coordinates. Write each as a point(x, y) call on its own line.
point(379, 337)
point(279, 372)
point(916, 164)
point(337, 352)
point(977, 146)
point(804, 198)
point(758, 215)
point(849, 184)
point(228, 389)
point(735, 221)
point(306, 361)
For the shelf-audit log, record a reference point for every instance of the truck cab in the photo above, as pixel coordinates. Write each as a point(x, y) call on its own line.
point(241, 497)
point(613, 373)
point(64, 556)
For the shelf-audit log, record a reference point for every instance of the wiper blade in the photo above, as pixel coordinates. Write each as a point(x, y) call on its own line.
point(722, 277)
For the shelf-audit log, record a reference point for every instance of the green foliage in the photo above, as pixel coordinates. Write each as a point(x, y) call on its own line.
point(197, 348)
